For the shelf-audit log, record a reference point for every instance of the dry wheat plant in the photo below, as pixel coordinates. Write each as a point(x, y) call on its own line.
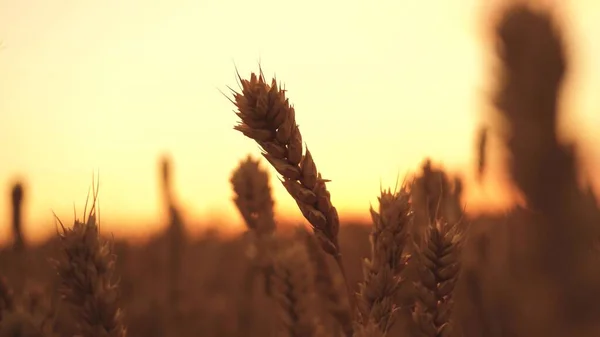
point(422, 268)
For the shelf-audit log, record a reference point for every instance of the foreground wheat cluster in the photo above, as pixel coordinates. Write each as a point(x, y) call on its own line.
point(301, 287)
point(426, 270)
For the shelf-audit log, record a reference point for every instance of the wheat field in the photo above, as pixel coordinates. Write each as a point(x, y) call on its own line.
point(421, 267)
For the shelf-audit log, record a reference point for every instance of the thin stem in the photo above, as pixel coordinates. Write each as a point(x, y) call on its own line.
point(350, 293)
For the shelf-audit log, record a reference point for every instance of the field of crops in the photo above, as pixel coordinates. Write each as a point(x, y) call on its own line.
point(421, 267)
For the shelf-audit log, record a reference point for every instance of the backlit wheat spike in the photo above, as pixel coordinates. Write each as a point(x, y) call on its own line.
point(438, 268)
point(267, 117)
point(382, 272)
point(87, 285)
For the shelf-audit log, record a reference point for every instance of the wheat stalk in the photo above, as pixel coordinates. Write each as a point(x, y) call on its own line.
point(382, 271)
point(17, 215)
point(250, 183)
point(267, 117)
point(294, 291)
point(253, 196)
point(438, 266)
point(482, 156)
point(176, 237)
point(325, 284)
point(254, 202)
point(86, 275)
point(6, 297)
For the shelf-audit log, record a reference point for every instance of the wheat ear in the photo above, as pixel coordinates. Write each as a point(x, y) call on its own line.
point(268, 118)
point(294, 291)
point(86, 276)
point(253, 199)
point(253, 196)
point(438, 267)
point(382, 271)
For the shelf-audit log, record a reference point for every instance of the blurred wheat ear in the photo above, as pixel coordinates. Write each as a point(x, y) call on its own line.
point(433, 194)
point(86, 272)
point(295, 293)
point(533, 62)
point(255, 203)
point(253, 199)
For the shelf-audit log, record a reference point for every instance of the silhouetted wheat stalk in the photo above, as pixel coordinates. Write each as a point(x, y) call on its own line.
point(330, 297)
point(382, 272)
point(17, 212)
point(267, 117)
point(255, 203)
point(438, 266)
point(86, 273)
point(177, 242)
point(294, 291)
point(6, 297)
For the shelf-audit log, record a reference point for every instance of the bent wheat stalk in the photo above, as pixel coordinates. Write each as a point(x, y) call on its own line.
point(268, 118)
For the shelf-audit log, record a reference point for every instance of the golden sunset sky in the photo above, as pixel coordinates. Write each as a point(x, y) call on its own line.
point(110, 85)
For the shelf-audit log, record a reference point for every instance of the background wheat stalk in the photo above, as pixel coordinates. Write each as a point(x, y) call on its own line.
point(534, 61)
point(17, 213)
point(255, 203)
point(177, 242)
point(253, 199)
point(6, 297)
point(253, 196)
point(86, 274)
point(326, 287)
point(294, 291)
